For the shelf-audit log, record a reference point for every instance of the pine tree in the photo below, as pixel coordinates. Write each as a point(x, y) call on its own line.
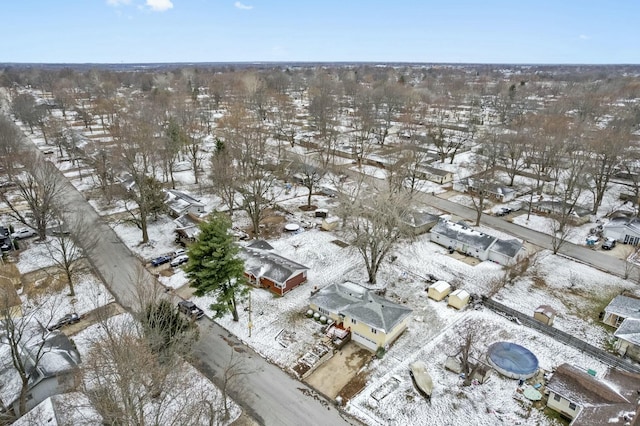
point(214, 266)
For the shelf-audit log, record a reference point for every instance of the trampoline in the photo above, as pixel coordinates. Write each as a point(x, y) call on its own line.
point(512, 360)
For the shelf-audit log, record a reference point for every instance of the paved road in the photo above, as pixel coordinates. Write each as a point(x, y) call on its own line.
point(597, 259)
point(268, 394)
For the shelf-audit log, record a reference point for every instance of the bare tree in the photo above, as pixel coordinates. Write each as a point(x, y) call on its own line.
point(233, 372)
point(376, 225)
point(10, 146)
point(484, 164)
point(64, 245)
point(39, 187)
point(467, 351)
point(310, 177)
point(23, 339)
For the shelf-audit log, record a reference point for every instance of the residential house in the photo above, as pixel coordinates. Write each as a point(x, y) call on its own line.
point(66, 409)
point(180, 203)
point(373, 321)
point(623, 229)
point(420, 222)
point(464, 239)
point(589, 400)
point(56, 371)
point(187, 228)
point(578, 215)
point(628, 338)
point(434, 174)
point(621, 308)
point(494, 191)
point(267, 269)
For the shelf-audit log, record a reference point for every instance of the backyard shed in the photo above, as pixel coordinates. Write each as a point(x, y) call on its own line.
point(330, 223)
point(439, 290)
point(545, 314)
point(459, 299)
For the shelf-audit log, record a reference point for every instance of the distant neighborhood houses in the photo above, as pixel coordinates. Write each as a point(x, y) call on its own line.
point(373, 321)
point(462, 238)
point(495, 191)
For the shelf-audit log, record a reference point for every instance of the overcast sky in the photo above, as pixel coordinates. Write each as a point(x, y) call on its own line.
point(478, 31)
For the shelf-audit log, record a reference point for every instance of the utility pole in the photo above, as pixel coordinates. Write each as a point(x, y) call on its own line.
point(250, 323)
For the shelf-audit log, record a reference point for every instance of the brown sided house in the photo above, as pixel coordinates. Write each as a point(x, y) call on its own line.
point(269, 270)
point(589, 400)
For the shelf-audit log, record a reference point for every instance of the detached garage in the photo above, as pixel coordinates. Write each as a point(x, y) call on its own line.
point(439, 290)
point(459, 299)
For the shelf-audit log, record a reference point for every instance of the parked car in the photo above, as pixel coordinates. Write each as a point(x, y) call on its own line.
point(5, 243)
point(179, 252)
point(503, 211)
point(68, 319)
point(160, 260)
point(23, 233)
point(4, 232)
point(190, 309)
point(179, 260)
point(608, 244)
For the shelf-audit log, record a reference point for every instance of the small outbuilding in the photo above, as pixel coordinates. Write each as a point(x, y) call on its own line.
point(439, 290)
point(330, 223)
point(459, 299)
point(545, 314)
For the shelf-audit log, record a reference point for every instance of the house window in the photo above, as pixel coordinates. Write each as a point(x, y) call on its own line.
point(556, 397)
point(323, 311)
point(572, 406)
point(374, 331)
point(353, 321)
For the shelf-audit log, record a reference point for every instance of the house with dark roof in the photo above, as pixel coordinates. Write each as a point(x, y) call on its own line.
point(55, 372)
point(464, 239)
point(621, 308)
point(589, 400)
point(264, 268)
point(578, 215)
point(623, 229)
point(373, 321)
point(494, 191)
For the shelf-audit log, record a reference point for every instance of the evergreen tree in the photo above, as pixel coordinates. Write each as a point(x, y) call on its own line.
point(214, 266)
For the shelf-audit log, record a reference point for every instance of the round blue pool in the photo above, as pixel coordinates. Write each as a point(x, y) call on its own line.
point(512, 360)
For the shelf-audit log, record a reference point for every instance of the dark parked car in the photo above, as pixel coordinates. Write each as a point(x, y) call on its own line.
point(161, 260)
point(503, 211)
point(608, 244)
point(190, 309)
point(65, 320)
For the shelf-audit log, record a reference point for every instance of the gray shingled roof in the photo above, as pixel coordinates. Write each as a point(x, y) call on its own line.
point(580, 387)
point(361, 304)
point(631, 223)
point(263, 263)
point(463, 234)
point(629, 330)
point(624, 306)
point(509, 248)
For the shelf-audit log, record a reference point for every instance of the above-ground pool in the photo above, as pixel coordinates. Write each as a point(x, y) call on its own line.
point(512, 360)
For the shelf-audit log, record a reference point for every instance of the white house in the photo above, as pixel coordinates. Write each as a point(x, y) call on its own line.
point(620, 308)
point(464, 239)
point(623, 229)
point(180, 203)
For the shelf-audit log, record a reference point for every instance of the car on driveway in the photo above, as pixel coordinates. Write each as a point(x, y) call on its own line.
point(503, 211)
point(23, 233)
point(179, 260)
point(160, 260)
point(190, 309)
point(65, 320)
point(608, 244)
